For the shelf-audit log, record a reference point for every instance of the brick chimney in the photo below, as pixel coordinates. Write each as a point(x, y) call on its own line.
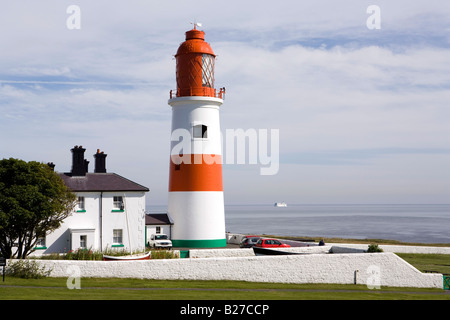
point(79, 164)
point(100, 162)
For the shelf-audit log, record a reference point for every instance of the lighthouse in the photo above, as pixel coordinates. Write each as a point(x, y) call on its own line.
point(195, 201)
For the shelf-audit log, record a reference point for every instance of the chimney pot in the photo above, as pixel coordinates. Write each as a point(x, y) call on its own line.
point(79, 167)
point(100, 162)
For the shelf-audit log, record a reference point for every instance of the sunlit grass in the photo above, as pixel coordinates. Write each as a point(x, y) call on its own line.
point(136, 289)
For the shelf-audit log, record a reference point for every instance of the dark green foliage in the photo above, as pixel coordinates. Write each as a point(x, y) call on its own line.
point(374, 248)
point(33, 202)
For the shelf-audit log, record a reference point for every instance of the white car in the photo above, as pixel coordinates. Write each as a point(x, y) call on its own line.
point(160, 241)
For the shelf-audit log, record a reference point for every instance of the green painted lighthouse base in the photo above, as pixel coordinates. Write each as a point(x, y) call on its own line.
point(212, 243)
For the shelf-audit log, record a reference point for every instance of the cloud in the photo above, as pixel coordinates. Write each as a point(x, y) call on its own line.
point(368, 96)
point(348, 101)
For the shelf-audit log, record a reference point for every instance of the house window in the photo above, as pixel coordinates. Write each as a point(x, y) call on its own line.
point(158, 230)
point(83, 241)
point(117, 237)
point(200, 131)
point(80, 205)
point(118, 204)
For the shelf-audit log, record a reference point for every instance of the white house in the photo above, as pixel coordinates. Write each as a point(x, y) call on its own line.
point(110, 211)
point(158, 223)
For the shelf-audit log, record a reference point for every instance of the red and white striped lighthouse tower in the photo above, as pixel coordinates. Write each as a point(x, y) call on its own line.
point(195, 180)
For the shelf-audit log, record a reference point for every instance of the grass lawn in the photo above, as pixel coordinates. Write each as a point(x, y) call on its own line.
point(428, 262)
point(138, 289)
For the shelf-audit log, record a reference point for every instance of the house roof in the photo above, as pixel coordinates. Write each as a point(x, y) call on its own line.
point(100, 182)
point(157, 218)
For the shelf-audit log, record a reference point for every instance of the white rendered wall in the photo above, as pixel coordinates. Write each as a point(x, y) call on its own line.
point(90, 222)
point(60, 240)
point(181, 205)
point(197, 215)
point(190, 111)
point(131, 221)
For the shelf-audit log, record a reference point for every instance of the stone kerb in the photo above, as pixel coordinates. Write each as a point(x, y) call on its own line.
point(347, 247)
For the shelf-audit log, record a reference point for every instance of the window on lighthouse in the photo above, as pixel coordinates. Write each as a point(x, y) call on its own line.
point(207, 70)
point(200, 131)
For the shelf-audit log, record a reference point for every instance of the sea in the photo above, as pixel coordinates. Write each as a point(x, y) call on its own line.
point(418, 223)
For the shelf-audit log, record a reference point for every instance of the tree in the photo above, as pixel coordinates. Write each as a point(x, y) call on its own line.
point(33, 202)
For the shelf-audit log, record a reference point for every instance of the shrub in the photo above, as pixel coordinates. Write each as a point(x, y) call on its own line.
point(163, 254)
point(374, 248)
point(27, 269)
point(83, 254)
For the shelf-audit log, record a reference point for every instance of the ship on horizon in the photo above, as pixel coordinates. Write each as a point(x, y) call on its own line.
point(280, 204)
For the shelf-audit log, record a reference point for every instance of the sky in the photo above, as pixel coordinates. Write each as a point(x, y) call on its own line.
point(360, 101)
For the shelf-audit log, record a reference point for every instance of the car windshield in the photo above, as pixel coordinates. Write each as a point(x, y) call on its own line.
point(254, 239)
point(161, 237)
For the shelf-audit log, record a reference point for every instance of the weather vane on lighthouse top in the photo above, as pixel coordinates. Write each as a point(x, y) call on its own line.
point(196, 24)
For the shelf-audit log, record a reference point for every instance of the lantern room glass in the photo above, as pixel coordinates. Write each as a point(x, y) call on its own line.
point(207, 70)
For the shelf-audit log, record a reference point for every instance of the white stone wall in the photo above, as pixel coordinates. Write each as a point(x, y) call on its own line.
point(385, 269)
point(345, 247)
point(248, 252)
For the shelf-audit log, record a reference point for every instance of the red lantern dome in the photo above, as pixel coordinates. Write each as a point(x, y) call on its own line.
point(195, 66)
